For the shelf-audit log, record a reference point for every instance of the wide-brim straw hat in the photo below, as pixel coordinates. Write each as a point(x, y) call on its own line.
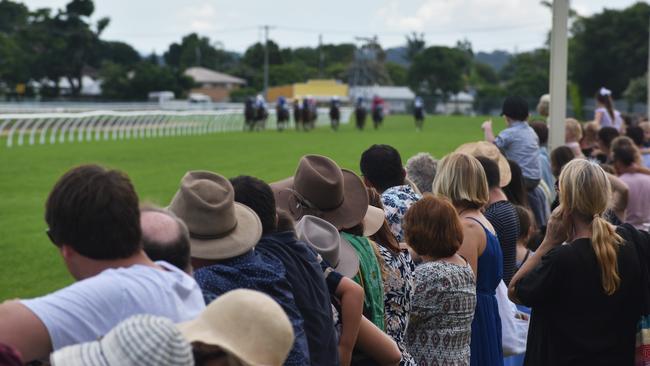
point(321, 188)
point(219, 227)
point(142, 340)
point(247, 324)
point(326, 241)
point(492, 152)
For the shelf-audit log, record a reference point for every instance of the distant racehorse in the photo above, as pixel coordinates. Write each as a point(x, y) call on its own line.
point(418, 114)
point(309, 114)
point(297, 114)
point(360, 114)
point(261, 114)
point(249, 114)
point(377, 115)
point(335, 114)
point(282, 114)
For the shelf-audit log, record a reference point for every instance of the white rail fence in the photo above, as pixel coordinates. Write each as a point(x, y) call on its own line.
point(42, 128)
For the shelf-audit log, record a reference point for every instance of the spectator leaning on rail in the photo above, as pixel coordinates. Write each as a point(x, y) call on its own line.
point(381, 166)
point(93, 218)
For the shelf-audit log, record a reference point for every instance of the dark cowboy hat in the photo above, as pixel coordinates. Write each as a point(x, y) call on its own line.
point(322, 189)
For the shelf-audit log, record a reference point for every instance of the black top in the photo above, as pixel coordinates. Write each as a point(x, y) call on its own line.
point(573, 321)
point(503, 217)
point(310, 291)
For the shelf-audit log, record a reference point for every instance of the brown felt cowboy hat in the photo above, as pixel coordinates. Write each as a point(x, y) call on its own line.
point(219, 227)
point(322, 189)
point(490, 151)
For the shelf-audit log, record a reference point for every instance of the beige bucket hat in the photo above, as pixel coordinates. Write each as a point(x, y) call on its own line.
point(219, 227)
point(490, 151)
point(247, 324)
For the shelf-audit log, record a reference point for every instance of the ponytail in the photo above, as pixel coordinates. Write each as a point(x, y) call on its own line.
point(605, 242)
point(609, 105)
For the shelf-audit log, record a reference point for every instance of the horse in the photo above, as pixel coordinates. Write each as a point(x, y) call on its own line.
point(282, 115)
point(377, 115)
point(261, 114)
point(360, 114)
point(309, 114)
point(249, 114)
point(297, 114)
point(335, 115)
point(418, 114)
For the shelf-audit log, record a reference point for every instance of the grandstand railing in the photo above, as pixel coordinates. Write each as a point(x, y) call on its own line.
point(42, 128)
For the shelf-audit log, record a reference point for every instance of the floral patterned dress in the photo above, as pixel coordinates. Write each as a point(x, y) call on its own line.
point(440, 323)
point(397, 274)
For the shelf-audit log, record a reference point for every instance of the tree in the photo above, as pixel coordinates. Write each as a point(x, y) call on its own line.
point(526, 74)
point(398, 73)
point(637, 90)
point(609, 48)
point(13, 16)
point(438, 71)
point(414, 45)
point(254, 55)
point(118, 52)
point(198, 51)
point(123, 83)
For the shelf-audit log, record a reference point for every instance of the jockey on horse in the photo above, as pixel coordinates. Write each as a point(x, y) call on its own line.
point(282, 113)
point(249, 114)
point(377, 111)
point(335, 112)
point(418, 113)
point(297, 113)
point(261, 114)
point(360, 113)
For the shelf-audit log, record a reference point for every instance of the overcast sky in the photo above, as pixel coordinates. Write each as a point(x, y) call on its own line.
point(151, 25)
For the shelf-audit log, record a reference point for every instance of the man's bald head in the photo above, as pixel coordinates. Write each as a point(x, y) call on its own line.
point(165, 237)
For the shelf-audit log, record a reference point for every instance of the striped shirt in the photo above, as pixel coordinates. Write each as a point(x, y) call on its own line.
point(503, 217)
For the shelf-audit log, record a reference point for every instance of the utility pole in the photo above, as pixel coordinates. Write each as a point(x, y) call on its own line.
point(648, 81)
point(266, 60)
point(320, 56)
point(558, 73)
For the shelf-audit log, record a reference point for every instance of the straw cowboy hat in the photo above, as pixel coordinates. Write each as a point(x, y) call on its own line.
point(247, 324)
point(326, 240)
point(490, 151)
point(321, 188)
point(124, 346)
point(219, 227)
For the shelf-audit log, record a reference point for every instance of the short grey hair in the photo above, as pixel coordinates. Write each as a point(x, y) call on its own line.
point(421, 169)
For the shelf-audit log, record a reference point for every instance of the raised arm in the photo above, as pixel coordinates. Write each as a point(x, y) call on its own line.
point(487, 131)
point(22, 329)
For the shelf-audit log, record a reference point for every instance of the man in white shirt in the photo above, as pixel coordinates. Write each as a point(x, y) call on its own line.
point(93, 218)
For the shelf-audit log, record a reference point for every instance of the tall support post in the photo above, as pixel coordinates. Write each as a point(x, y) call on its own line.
point(648, 81)
point(266, 61)
point(558, 73)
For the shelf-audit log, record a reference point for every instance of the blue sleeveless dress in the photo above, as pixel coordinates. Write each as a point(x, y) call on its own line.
point(485, 346)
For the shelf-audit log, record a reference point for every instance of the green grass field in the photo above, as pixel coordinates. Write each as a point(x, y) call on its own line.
point(31, 266)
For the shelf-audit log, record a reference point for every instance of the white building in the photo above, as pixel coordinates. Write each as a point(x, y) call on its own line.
point(459, 103)
point(398, 99)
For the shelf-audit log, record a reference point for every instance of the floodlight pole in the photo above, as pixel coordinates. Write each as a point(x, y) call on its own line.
point(558, 73)
point(648, 76)
point(266, 61)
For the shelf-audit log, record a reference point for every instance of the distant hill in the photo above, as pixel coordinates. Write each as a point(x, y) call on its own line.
point(397, 55)
point(497, 59)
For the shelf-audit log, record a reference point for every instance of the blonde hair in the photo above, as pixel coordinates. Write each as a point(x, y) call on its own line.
point(584, 193)
point(544, 105)
point(461, 178)
point(590, 130)
point(574, 128)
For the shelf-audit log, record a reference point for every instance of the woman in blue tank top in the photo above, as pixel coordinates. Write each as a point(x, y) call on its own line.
point(461, 178)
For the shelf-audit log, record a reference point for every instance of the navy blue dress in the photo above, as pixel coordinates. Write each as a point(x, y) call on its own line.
point(485, 346)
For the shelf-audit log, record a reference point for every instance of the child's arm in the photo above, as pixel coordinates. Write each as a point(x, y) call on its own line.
point(487, 131)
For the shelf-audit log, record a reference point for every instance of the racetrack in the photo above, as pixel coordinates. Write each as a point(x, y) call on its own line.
point(31, 266)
